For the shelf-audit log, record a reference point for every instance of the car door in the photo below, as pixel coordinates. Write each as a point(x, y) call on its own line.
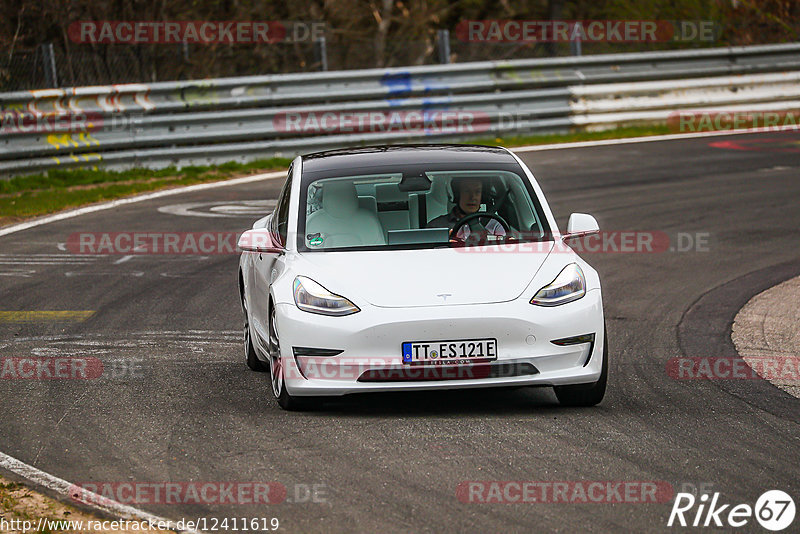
point(267, 265)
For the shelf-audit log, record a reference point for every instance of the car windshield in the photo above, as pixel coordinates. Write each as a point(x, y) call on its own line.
point(418, 208)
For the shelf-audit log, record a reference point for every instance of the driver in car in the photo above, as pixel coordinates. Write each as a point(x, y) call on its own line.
point(467, 193)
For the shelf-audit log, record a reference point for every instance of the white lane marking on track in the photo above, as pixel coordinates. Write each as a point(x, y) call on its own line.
point(159, 335)
point(44, 255)
point(776, 168)
point(647, 139)
point(61, 246)
point(54, 257)
point(25, 273)
point(104, 273)
point(139, 198)
point(45, 259)
point(47, 256)
point(41, 262)
point(66, 489)
point(204, 274)
point(235, 208)
point(126, 258)
point(242, 211)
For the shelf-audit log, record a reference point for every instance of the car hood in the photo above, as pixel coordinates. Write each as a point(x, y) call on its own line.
point(430, 277)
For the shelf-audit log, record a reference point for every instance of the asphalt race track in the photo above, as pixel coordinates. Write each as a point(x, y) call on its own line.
point(176, 402)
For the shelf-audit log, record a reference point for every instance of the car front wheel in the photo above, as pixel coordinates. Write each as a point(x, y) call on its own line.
point(249, 350)
point(586, 394)
point(277, 372)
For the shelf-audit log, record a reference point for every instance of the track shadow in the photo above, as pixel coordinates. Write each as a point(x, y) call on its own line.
point(483, 401)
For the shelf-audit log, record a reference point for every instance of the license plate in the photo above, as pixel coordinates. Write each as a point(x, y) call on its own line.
point(449, 352)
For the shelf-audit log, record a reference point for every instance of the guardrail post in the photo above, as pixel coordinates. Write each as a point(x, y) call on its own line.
point(49, 65)
point(321, 53)
point(443, 45)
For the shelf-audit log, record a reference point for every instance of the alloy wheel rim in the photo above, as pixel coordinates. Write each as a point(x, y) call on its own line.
point(246, 331)
point(276, 371)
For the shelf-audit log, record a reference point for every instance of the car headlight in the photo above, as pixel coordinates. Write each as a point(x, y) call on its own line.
point(569, 285)
point(312, 297)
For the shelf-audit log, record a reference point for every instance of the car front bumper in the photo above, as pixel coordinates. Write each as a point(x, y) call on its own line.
point(371, 355)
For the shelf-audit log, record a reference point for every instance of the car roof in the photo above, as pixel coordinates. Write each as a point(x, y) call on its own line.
point(345, 158)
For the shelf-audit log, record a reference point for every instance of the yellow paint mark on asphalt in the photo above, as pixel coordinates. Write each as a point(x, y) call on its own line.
point(41, 316)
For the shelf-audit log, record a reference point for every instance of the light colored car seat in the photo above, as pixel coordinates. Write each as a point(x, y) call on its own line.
point(368, 203)
point(393, 207)
point(437, 200)
point(340, 221)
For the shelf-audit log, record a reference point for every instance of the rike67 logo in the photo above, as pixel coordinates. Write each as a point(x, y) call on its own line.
point(774, 510)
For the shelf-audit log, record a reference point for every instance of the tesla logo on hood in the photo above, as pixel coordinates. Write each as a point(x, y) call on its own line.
point(444, 296)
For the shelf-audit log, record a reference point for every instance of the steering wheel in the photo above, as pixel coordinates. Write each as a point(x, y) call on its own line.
point(477, 215)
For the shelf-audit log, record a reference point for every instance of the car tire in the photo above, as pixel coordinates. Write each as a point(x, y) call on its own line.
point(277, 374)
point(586, 394)
point(249, 350)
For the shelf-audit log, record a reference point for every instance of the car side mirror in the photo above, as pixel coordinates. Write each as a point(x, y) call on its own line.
point(581, 224)
point(260, 240)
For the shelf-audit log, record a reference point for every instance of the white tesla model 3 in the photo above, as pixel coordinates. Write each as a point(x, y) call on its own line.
point(417, 267)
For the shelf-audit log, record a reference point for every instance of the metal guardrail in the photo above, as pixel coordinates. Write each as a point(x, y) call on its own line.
point(212, 121)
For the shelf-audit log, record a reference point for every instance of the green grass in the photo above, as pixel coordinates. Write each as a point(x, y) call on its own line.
point(30, 196)
point(7, 501)
point(23, 197)
point(60, 179)
point(546, 139)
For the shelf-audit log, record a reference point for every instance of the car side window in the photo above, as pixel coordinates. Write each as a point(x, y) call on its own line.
point(280, 219)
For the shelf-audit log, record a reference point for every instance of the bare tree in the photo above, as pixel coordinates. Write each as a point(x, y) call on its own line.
point(383, 17)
